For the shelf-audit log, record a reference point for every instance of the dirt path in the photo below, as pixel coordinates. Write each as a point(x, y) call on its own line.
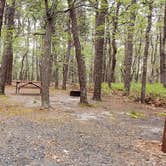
point(104, 134)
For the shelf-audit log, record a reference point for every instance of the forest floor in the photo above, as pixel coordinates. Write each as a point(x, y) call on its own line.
point(114, 132)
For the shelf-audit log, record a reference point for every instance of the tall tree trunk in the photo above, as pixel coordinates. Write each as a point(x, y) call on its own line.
point(114, 45)
point(164, 76)
point(56, 77)
point(91, 72)
point(27, 71)
point(109, 61)
point(33, 54)
point(105, 48)
point(153, 61)
point(79, 56)
point(72, 72)
point(161, 58)
point(22, 66)
point(33, 60)
point(46, 59)
point(163, 52)
point(138, 54)
point(66, 59)
point(2, 5)
point(26, 75)
point(56, 68)
point(146, 51)
point(99, 46)
point(129, 50)
point(104, 67)
point(7, 59)
point(55, 63)
point(37, 68)
point(138, 69)
point(164, 139)
point(10, 11)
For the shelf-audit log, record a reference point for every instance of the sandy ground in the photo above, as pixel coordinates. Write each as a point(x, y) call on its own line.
point(104, 134)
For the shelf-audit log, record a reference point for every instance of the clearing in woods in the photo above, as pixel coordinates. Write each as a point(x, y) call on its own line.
point(113, 132)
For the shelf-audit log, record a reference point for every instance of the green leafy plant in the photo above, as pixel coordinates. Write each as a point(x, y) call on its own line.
point(105, 89)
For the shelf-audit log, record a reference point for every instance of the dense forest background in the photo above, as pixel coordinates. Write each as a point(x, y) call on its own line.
point(120, 41)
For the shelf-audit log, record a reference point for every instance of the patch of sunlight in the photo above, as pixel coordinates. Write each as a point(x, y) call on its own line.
point(14, 111)
point(87, 105)
point(135, 114)
point(3, 97)
point(161, 113)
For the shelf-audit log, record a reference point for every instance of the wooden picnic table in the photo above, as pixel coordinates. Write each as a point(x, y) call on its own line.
point(20, 85)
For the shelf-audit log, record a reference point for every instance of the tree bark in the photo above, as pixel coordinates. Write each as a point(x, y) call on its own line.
point(2, 6)
point(27, 66)
point(33, 60)
point(138, 54)
point(129, 50)
point(163, 52)
point(55, 63)
point(33, 54)
point(161, 58)
point(79, 56)
point(10, 12)
point(72, 70)
point(114, 45)
point(46, 62)
point(154, 60)
point(56, 68)
point(66, 59)
point(109, 61)
point(104, 66)
point(56, 77)
point(37, 68)
point(164, 139)
point(99, 48)
point(146, 52)
point(22, 66)
point(7, 59)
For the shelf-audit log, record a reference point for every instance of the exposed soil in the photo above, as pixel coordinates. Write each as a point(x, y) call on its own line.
point(104, 134)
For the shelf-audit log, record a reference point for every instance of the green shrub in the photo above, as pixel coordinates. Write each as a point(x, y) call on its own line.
point(152, 90)
point(117, 86)
point(105, 89)
point(155, 90)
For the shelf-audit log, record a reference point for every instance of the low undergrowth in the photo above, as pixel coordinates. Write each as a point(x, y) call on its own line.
point(155, 93)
